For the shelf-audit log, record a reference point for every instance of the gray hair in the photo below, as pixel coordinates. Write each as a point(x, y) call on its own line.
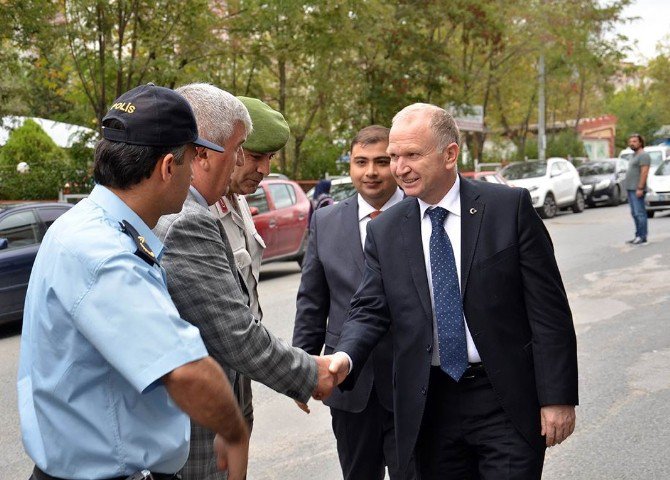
point(216, 111)
point(441, 123)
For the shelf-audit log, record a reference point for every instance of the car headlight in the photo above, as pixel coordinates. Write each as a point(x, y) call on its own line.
point(603, 184)
point(533, 188)
point(650, 191)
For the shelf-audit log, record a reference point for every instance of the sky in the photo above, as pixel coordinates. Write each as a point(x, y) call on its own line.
point(648, 30)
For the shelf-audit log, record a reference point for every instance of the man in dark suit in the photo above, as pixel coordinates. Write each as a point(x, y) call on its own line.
point(464, 277)
point(333, 268)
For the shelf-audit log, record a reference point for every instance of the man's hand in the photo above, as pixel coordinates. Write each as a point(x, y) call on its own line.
point(339, 366)
point(558, 423)
point(232, 457)
point(325, 379)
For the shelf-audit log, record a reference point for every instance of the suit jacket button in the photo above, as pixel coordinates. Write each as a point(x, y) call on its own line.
point(423, 391)
point(429, 348)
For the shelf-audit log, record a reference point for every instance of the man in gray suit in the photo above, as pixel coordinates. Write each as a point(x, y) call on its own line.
point(270, 134)
point(363, 417)
point(203, 281)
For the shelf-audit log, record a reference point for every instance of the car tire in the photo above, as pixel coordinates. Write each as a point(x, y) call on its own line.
point(549, 207)
point(615, 199)
point(578, 206)
point(650, 213)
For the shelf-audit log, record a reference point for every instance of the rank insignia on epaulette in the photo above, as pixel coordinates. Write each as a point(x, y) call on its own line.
point(143, 250)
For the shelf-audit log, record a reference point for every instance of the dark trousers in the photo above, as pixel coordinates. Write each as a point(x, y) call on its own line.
point(465, 434)
point(366, 443)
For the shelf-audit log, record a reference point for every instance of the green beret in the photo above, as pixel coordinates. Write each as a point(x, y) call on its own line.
point(270, 132)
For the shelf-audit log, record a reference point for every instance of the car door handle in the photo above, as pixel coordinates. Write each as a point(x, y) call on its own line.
point(272, 223)
point(301, 216)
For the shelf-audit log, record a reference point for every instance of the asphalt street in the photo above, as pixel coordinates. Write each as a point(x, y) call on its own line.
point(620, 298)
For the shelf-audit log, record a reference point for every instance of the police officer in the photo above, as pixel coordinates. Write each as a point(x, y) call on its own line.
point(107, 366)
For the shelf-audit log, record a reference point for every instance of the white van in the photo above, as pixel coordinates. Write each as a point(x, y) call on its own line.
point(658, 153)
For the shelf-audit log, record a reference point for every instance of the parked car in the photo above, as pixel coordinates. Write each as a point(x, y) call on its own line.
point(553, 184)
point(658, 189)
point(486, 176)
point(340, 188)
point(22, 228)
point(657, 153)
point(602, 181)
point(281, 213)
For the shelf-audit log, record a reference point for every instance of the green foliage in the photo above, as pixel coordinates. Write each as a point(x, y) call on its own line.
point(329, 67)
point(49, 165)
point(637, 111)
point(562, 144)
point(320, 156)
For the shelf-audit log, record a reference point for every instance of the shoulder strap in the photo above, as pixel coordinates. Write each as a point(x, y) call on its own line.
point(143, 250)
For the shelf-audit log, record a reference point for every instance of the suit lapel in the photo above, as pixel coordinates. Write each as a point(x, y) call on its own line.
point(352, 232)
point(410, 230)
point(472, 212)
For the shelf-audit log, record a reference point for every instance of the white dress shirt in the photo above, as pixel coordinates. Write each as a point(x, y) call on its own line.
point(452, 203)
point(365, 209)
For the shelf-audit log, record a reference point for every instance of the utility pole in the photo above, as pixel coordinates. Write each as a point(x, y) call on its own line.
point(541, 125)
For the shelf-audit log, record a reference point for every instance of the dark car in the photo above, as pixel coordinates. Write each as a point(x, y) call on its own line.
point(281, 212)
point(22, 228)
point(603, 181)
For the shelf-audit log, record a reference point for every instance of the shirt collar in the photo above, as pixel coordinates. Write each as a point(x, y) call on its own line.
point(119, 211)
point(365, 209)
point(450, 202)
point(198, 198)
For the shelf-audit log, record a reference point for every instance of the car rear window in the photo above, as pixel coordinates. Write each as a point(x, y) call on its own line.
point(281, 195)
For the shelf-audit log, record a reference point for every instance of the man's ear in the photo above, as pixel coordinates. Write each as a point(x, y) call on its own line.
point(166, 166)
point(202, 158)
point(451, 154)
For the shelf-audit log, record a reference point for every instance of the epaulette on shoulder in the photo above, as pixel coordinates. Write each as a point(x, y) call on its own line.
point(143, 250)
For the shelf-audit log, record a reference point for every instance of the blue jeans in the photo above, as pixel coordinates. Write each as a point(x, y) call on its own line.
point(639, 214)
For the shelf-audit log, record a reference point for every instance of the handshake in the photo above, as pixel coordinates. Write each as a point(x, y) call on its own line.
point(331, 371)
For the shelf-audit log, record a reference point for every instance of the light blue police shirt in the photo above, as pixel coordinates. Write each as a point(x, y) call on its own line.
point(99, 332)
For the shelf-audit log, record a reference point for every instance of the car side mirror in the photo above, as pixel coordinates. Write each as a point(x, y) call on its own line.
point(4, 243)
point(254, 211)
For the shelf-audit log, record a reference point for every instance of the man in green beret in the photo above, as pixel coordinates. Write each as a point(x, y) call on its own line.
point(270, 134)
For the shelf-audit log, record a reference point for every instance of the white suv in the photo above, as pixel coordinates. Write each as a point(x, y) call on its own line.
point(553, 184)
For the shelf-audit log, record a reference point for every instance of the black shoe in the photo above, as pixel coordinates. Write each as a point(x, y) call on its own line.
point(639, 241)
point(632, 242)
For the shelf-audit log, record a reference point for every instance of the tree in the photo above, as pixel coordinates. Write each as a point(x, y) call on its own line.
point(49, 164)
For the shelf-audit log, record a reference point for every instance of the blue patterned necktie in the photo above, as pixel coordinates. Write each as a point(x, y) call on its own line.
point(447, 298)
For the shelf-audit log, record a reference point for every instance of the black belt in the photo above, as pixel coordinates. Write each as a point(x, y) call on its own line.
point(40, 475)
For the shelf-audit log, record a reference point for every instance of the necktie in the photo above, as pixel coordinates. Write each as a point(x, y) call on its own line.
point(447, 299)
point(374, 214)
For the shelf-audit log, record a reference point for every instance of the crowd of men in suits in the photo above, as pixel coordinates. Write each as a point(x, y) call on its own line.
point(434, 302)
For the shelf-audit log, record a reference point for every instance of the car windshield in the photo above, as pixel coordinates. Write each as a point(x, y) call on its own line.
point(656, 158)
point(519, 171)
point(663, 169)
point(596, 169)
point(341, 191)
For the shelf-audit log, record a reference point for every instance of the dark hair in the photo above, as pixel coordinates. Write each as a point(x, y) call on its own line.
point(370, 135)
point(638, 136)
point(322, 187)
point(122, 165)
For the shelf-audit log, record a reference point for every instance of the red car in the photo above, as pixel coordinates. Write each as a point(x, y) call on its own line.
point(281, 212)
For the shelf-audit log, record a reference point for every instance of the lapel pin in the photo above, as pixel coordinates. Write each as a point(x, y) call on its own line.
point(473, 211)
